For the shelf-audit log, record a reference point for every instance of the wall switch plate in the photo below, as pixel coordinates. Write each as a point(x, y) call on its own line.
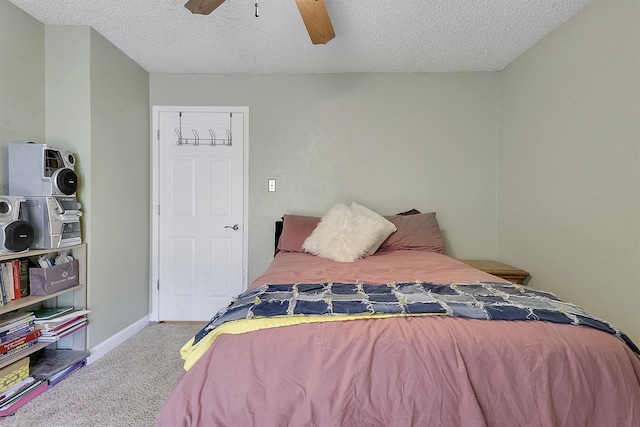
point(272, 185)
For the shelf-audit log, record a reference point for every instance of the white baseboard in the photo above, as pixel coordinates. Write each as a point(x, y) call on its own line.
point(110, 343)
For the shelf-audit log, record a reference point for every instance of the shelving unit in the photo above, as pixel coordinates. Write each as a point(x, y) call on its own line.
point(75, 296)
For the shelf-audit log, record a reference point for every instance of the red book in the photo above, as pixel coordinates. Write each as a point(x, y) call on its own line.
point(19, 341)
point(15, 269)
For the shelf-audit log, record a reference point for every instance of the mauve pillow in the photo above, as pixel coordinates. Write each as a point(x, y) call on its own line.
point(387, 226)
point(295, 230)
point(419, 232)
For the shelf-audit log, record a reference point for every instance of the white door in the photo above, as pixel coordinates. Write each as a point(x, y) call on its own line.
point(201, 212)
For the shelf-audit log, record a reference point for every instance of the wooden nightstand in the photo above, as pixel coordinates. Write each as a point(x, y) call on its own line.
point(505, 271)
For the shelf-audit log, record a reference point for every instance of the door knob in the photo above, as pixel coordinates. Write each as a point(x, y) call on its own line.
point(234, 227)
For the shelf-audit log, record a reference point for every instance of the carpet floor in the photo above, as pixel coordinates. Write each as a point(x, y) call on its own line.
point(126, 387)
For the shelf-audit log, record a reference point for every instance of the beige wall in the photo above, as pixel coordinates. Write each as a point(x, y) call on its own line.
point(120, 189)
point(68, 103)
point(389, 141)
point(98, 104)
point(569, 162)
point(120, 134)
point(22, 100)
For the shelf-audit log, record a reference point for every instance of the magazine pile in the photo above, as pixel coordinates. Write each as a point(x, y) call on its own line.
point(29, 376)
point(17, 332)
point(14, 396)
point(56, 323)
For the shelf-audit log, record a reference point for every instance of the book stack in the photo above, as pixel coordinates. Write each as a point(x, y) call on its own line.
point(14, 280)
point(17, 332)
point(56, 323)
point(16, 386)
point(20, 393)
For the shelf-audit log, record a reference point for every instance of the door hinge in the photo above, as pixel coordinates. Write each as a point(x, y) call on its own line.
point(158, 284)
point(158, 134)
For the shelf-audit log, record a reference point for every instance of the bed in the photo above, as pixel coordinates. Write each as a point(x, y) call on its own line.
point(402, 335)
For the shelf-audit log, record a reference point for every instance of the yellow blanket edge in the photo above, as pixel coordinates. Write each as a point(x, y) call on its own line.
point(192, 353)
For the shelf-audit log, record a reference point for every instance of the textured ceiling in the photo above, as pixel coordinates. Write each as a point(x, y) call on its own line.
point(371, 35)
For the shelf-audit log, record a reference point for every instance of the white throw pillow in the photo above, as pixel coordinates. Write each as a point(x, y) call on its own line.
point(387, 226)
point(344, 234)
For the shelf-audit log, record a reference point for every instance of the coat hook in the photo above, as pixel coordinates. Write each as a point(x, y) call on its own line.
point(196, 137)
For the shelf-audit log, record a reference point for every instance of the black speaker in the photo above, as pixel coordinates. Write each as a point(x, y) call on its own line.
point(17, 235)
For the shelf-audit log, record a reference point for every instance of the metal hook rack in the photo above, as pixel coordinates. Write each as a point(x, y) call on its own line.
point(196, 140)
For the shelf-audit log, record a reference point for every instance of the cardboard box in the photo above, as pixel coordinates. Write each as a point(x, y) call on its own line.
point(49, 280)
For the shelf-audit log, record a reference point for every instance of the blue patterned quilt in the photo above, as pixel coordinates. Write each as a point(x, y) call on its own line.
point(481, 300)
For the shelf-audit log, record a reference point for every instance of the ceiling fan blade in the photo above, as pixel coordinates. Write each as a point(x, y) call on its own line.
point(316, 19)
point(203, 7)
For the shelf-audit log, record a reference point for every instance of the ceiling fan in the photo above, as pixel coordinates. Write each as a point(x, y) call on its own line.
point(314, 15)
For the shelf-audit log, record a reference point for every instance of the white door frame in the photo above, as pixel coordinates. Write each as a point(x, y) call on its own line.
point(154, 314)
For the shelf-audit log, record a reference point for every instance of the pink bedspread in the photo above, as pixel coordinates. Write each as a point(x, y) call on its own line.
point(383, 267)
point(420, 371)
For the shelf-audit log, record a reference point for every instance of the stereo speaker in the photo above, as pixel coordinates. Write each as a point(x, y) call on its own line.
point(17, 235)
point(40, 170)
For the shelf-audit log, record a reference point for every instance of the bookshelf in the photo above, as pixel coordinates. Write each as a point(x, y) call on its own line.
point(75, 296)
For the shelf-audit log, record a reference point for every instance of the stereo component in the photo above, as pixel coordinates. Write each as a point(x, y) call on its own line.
point(55, 221)
point(17, 235)
point(40, 170)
